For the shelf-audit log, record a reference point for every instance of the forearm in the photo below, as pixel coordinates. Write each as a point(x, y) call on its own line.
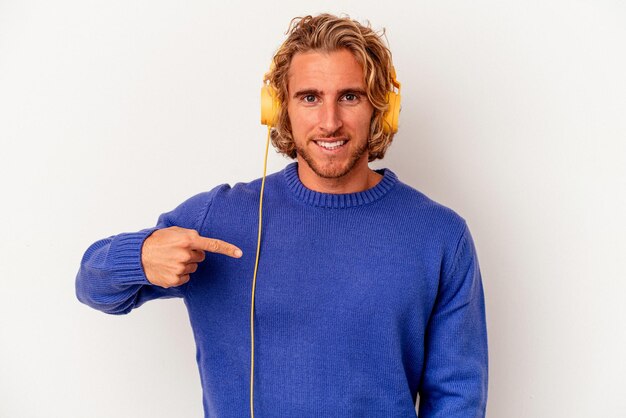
point(454, 383)
point(111, 278)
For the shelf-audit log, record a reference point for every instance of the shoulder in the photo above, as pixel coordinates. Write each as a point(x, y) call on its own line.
point(191, 212)
point(226, 191)
point(426, 212)
point(243, 192)
point(431, 225)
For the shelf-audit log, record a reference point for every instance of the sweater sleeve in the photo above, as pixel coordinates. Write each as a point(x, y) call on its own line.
point(454, 381)
point(111, 277)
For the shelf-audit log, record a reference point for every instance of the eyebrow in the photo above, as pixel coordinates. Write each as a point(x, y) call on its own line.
point(316, 92)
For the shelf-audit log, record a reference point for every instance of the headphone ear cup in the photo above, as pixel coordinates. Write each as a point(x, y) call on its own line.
point(269, 105)
point(390, 119)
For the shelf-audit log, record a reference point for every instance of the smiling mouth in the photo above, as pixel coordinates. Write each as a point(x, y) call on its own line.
point(331, 145)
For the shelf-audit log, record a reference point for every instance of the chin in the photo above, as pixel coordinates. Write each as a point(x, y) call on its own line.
point(333, 168)
point(331, 171)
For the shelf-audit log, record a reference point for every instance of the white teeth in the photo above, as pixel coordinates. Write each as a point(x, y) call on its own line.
point(330, 145)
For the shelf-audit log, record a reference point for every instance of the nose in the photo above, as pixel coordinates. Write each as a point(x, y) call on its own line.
point(330, 117)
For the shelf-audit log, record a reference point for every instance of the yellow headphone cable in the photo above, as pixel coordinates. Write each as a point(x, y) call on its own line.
point(256, 267)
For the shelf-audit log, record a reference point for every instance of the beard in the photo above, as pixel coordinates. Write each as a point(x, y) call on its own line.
point(332, 167)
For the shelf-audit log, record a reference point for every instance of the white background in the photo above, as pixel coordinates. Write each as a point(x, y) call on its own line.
point(112, 112)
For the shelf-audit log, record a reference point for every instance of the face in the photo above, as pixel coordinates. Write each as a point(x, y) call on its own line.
point(329, 113)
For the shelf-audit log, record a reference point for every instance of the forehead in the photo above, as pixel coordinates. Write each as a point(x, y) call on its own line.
point(325, 70)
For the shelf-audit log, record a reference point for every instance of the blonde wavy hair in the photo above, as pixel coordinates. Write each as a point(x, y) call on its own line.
point(328, 33)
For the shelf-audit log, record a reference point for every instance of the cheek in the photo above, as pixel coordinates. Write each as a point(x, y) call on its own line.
point(301, 122)
point(361, 121)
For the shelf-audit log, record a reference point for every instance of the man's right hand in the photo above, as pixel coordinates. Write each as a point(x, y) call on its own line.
point(171, 254)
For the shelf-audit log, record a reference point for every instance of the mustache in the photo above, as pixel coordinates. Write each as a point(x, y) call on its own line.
point(334, 136)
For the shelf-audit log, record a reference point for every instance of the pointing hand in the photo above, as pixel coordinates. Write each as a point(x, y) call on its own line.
point(171, 254)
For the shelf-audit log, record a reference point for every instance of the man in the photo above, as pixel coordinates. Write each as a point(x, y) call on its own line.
point(368, 292)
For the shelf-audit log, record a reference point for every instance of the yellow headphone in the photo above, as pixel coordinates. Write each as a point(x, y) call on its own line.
point(270, 106)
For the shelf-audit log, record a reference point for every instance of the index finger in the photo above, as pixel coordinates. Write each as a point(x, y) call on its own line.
point(216, 246)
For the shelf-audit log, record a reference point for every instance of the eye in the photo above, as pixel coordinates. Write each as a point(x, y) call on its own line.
point(351, 97)
point(309, 98)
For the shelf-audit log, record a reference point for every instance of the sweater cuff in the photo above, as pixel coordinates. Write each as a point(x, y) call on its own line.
point(125, 255)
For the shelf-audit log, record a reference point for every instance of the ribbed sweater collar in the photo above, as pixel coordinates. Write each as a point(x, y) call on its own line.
point(338, 201)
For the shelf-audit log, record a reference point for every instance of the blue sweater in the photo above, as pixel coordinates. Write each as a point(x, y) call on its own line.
point(363, 300)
